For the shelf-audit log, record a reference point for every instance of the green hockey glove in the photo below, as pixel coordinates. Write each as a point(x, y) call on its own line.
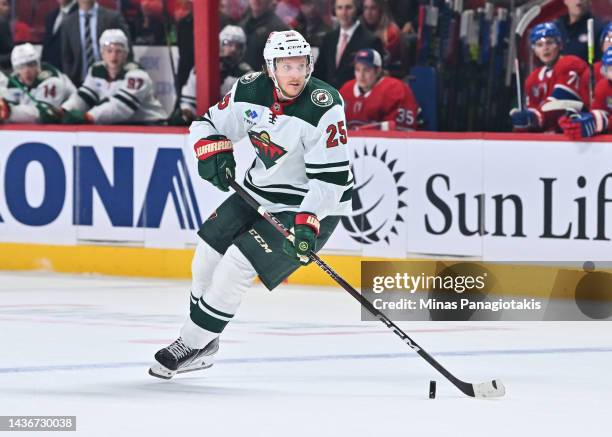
point(305, 229)
point(216, 162)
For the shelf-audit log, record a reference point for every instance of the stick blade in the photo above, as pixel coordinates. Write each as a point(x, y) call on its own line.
point(493, 389)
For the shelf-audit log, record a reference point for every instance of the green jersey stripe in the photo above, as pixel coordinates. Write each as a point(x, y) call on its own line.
point(347, 195)
point(336, 177)
point(277, 186)
point(327, 165)
point(87, 98)
point(128, 95)
point(127, 102)
point(282, 198)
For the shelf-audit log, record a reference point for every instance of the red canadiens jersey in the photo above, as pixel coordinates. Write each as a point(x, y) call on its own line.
point(586, 77)
point(565, 76)
point(389, 100)
point(602, 103)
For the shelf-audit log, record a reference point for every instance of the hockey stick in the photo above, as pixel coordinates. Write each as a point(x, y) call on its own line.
point(491, 389)
point(518, 36)
point(591, 58)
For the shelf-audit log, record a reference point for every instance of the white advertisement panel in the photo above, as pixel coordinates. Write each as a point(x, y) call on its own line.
point(492, 200)
point(36, 188)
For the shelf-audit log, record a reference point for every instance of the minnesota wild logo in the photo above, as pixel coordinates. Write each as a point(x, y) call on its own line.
point(267, 151)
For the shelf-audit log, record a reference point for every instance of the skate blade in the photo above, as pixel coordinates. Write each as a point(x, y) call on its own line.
point(201, 364)
point(193, 369)
point(159, 371)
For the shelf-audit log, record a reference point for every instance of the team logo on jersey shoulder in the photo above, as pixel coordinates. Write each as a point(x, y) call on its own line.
point(249, 77)
point(131, 66)
point(267, 151)
point(321, 97)
point(44, 74)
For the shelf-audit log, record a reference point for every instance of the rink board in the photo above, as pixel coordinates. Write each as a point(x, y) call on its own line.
point(128, 200)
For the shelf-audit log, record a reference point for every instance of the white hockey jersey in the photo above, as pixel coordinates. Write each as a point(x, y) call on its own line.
point(303, 162)
point(130, 98)
point(51, 86)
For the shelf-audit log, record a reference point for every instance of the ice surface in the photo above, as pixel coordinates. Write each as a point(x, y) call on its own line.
point(295, 362)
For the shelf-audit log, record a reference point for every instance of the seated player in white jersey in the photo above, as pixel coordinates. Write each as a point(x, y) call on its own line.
point(301, 172)
point(374, 101)
point(115, 91)
point(34, 91)
point(232, 47)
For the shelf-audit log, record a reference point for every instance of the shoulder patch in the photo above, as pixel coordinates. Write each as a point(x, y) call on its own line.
point(321, 97)
point(250, 77)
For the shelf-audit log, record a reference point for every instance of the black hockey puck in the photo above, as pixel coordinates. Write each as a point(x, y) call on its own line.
point(432, 389)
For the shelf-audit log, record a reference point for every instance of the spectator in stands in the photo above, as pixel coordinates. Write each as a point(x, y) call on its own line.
point(573, 28)
point(287, 10)
point(405, 13)
point(313, 21)
point(335, 62)
point(149, 27)
point(258, 23)
point(52, 44)
point(374, 101)
point(115, 91)
point(232, 42)
point(20, 30)
point(377, 19)
point(552, 87)
point(605, 41)
point(231, 12)
point(79, 34)
point(34, 91)
point(6, 36)
point(599, 119)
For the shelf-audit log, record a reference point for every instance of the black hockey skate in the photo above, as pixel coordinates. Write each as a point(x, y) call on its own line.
point(179, 358)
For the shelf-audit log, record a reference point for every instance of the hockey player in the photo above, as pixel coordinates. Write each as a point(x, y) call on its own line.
point(34, 91)
point(372, 99)
point(114, 91)
point(232, 42)
point(605, 41)
point(599, 119)
point(296, 125)
point(557, 79)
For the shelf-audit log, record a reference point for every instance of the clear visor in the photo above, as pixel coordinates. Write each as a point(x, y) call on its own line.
point(114, 45)
point(29, 64)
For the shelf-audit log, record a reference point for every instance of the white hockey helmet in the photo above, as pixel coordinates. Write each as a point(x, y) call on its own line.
point(286, 44)
point(24, 54)
point(232, 34)
point(114, 36)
